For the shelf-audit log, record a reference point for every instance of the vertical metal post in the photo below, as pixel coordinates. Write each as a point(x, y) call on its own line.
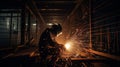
point(10, 31)
point(90, 23)
point(101, 38)
point(28, 28)
point(17, 27)
point(108, 40)
point(36, 29)
point(23, 24)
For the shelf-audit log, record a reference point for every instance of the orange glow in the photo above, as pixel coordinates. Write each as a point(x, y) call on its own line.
point(68, 46)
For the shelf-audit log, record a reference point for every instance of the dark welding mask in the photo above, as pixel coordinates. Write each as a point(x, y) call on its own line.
point(56, 29)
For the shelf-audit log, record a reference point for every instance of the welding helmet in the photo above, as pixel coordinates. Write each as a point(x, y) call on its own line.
point(56, 28)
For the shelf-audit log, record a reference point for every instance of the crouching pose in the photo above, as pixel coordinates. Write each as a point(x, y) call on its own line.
point(48, 47)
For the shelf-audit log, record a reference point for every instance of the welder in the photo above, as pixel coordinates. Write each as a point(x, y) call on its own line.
point(48, 45)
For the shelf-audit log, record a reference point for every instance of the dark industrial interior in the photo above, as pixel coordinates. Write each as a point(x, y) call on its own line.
point(92, 26)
